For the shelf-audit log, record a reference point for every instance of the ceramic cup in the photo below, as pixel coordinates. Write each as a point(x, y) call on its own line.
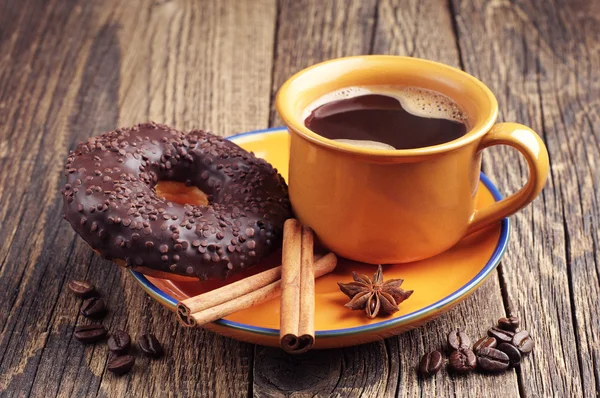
point(396, 206)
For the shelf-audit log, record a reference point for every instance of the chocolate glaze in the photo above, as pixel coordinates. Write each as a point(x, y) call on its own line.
point(110, 201)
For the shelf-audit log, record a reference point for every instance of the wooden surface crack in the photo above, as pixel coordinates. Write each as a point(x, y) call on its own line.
point(454, 23)
point(274, 57)
point(374, 28)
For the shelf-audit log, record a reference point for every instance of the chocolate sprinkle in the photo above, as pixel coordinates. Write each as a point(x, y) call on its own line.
point(116, 203)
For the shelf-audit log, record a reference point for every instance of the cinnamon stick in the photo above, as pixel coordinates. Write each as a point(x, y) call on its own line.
point(226, 293)
point(290, 284)
point(322, 266)
point(297, 331)
point(306, 326)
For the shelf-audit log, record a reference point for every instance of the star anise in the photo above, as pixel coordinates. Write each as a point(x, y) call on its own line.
point(374, 295)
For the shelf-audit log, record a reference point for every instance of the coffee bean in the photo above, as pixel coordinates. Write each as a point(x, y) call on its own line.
point(430, 363)
point(513, 353)
point(462, 361)
point(501, 335)
point(93, 307)
point(121, 364)
point(458, 340)
point(119, 341)
point(484, 342)
point(523, 341)
point(90, 333)
point(150, 345)
point(492, 360)
point(511, 323)
point(81, 288)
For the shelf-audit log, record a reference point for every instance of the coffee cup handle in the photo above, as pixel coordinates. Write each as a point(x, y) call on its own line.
point(532, 147)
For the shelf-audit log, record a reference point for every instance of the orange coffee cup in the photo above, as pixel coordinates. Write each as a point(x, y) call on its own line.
point(396, 206)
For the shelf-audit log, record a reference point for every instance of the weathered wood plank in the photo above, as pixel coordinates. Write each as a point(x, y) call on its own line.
point(425, 29)
point(198, 64)
point(542, 61)
point(72, 69)
point(416, 28)
point(312, 31)
point(327, 29)
point(69, 69)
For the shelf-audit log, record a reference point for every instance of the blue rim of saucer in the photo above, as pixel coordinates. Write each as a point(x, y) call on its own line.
point(491, 264)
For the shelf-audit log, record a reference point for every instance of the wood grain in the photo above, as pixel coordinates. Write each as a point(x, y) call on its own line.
point(425, 29)
point(72, 69)
point(327, 29)
point(539, 60)
point(198, 64)
point(311, 31)
point(416, 28)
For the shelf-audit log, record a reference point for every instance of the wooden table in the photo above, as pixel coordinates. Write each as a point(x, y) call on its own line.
point(70, 69)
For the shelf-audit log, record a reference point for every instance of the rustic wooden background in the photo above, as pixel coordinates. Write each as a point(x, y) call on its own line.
point(70, 69)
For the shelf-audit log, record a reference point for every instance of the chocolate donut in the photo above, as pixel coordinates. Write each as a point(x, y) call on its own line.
point(110, 201)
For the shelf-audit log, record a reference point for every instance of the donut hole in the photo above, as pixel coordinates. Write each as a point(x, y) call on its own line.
point(178, 192)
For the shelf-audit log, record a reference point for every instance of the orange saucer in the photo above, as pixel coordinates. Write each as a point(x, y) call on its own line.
point(439, 283)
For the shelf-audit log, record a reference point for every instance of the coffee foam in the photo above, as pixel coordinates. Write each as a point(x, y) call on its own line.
point(418, 101)
point(365, 144)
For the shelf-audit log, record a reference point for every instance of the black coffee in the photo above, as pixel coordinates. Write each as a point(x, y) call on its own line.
point(90, 333)
point(387, 117)
point(458, 340)
point(93, 307)
point(501, 335)
point(492, 360)
point(120, 364)
point(119, 341)
point(150, 345)
point(82, 288)
point(462, 361)
point(511, 323)
point(503, 348)
point(431, 363)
